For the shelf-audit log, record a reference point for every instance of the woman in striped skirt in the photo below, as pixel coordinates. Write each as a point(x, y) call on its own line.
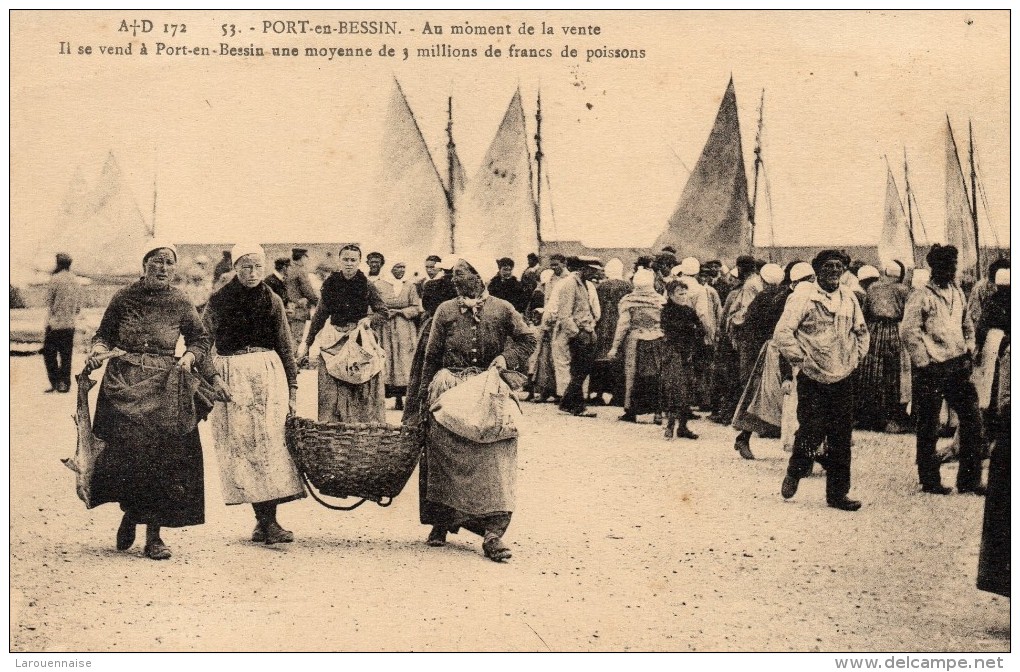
point(878, 376)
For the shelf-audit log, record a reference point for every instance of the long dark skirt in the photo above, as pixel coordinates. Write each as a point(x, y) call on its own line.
point(545, 374)
point(677, 379)
point(155, 474)
point(642, 373)
point(878, 377)
point(607, 376)
point(760, 408)
point(725, 375)
point(479, 475)
point(994, 558)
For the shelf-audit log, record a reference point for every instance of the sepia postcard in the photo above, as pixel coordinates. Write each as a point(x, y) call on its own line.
point(603, 137)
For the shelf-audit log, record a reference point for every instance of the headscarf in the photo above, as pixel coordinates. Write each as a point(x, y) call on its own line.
point(152, 245)
point(485, 270)
point(244, 249)
point(801, 271)
point(689, 266)
point(867, 272)
point(772, 274)
point(614, 269)
point(644, 279)
point(398, 285)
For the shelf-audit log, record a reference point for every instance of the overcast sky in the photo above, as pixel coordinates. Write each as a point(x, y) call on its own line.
point(283, 148)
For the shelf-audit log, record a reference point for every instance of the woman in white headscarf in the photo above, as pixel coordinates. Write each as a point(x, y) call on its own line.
point(255, 368)
point(607, 374)
point(147, 412)
point(399, 334)
point(760, 408)
point(348, 301)
point(639, 333)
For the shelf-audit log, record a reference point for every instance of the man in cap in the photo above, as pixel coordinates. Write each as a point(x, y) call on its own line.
point(277, 281)
point(823, 333)
point(984, 289)
point(505, 286)
point(63, 303)
point(530, 276)
point(938, 333)
point(559, 347)
point(375, 261)
point(302, 294)
point(575, 323)
point(440, 288)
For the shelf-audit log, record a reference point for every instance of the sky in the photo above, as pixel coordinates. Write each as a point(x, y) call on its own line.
point(283, 149)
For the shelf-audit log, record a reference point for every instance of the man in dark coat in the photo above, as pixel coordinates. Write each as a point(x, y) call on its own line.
point(440, 288)
point(530, 277)
point(277, 281)
point(505, 286)
point(938, 333)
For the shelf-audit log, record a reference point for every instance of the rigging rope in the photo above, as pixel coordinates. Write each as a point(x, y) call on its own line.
point(984, 199)
point(548, 195)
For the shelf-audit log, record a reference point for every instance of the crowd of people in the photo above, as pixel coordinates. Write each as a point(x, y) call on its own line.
point(806, 352)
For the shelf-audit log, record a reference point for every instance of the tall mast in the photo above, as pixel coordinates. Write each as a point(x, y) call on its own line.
point(910, 208)
point(451, 170)
point(538, 169)
point(973, 198)
point(757, 168)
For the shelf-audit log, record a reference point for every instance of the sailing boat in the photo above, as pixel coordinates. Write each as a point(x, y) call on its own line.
point(100, 227)
point(712, 218)
point(897, 240)
point(409, 200)
point(961, 212)
point(497, 215)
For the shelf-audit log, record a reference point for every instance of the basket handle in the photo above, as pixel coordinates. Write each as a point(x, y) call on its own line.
point(335, 507)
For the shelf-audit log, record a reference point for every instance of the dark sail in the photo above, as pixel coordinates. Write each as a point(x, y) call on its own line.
point(711, 219)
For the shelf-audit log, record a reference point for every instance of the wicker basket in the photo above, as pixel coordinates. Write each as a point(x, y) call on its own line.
point(369, 461)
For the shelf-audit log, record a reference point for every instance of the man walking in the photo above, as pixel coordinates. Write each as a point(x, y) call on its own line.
point(937, 332)
point(301, 294)
point(575, 323)
point(63, 301)
point(822, 332)
point(560, 347)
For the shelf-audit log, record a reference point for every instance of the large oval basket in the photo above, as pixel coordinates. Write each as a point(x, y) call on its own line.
point(369, 461)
